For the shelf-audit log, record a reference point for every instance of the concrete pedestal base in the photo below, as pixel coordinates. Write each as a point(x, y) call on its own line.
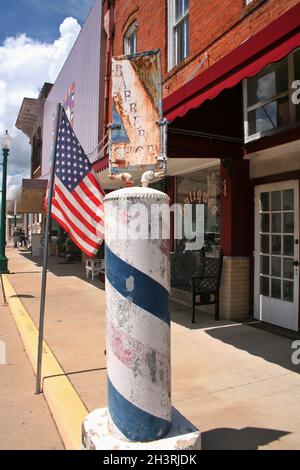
point(97, 435)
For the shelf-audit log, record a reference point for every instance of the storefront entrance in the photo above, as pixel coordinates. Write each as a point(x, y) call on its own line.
point(276, 282)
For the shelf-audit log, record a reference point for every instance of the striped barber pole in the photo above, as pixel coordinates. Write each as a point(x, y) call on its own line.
point(138, 321)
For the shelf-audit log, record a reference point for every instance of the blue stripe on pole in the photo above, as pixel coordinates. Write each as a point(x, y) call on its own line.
point(147, 293)
point(134, 423)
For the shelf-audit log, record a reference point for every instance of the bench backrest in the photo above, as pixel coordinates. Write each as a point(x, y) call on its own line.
point(185, 265)
point(211, 271)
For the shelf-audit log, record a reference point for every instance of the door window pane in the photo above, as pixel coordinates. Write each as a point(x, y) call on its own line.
point(288, 222)
point(264, 265)
point(276, 244)
point(265, 223)
point(288, 245)
point(288, 268)
point(288, 291)
point(264, 286)
point(276, 201)
point(276, 288)
point(264, 199)
point(276, 223)
point(276, 266)
point(265, 244)
point(288, 200)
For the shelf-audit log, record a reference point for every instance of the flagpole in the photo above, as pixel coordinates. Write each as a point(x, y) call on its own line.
point(46, 249)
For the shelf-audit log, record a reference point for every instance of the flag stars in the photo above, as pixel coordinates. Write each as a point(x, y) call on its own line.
point(72, 165)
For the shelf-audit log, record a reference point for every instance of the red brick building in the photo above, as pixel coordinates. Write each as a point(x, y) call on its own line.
point(228, 70)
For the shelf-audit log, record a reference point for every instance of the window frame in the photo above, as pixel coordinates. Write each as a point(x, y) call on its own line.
point(131, 31)
point(293, 122)
point(172, 25)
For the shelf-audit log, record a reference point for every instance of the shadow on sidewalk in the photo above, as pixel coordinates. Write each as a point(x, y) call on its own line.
point(58, 267)
point(239, 439)
point(272, 347)
point(22, 296)
point(181, 314)
point(77, 372)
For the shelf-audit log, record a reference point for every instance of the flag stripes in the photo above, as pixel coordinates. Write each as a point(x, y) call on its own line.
point(77, 201)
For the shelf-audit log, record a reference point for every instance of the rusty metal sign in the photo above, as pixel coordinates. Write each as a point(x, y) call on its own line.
point(137, 109)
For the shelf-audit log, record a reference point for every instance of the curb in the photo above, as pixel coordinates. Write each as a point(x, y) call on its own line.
point(67, 408)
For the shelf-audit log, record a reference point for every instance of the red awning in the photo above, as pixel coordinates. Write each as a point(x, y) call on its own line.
point(101, 165)
point(269, 45)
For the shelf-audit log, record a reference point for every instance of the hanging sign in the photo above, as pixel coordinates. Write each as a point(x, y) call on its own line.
point(137, 109)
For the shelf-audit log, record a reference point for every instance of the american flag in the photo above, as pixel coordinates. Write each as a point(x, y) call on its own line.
point(77, 202)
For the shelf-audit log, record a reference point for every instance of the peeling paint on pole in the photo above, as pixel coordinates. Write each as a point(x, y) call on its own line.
point(138, 323)
point(137, 107)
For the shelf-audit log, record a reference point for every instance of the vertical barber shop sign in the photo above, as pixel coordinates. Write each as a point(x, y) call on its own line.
point(137, 108)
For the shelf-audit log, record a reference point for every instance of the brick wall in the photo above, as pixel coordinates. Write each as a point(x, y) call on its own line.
point(216, 28)
point(234, 291)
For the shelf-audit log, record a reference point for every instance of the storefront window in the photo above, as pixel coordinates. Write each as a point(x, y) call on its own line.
point(267, 98)
point(202, 187)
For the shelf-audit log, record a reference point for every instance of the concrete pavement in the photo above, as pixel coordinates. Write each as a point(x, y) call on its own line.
point(25, 420)
point(234, 381)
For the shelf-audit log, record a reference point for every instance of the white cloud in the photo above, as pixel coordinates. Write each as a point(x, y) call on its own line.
point(25, 64)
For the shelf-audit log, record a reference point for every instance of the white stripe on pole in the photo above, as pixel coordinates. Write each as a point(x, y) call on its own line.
point(119, 316)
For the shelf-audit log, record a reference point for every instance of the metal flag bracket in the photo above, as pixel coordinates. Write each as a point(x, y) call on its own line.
point(162, 158)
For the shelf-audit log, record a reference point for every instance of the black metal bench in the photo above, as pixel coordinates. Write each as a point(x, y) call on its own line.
point(199, 273)
point(206, 287)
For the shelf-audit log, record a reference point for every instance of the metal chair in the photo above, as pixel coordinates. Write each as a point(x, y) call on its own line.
point(206, 287)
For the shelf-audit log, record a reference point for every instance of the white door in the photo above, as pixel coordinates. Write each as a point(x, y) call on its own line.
point(276, 282)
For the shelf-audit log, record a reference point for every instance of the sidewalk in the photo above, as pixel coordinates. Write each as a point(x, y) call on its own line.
point(26, 422)
point(235, 382)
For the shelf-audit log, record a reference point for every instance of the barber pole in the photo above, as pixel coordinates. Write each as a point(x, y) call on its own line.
point(138, 319)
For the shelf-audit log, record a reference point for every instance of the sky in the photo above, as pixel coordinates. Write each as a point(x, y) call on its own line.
point(36, 37)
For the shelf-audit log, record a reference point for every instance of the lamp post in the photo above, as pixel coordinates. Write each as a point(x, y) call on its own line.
point(5, 144)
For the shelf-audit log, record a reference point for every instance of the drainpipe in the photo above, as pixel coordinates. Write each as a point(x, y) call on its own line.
point(109, 26)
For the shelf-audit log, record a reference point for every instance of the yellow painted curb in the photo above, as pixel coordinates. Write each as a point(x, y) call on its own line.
point(67, 408)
